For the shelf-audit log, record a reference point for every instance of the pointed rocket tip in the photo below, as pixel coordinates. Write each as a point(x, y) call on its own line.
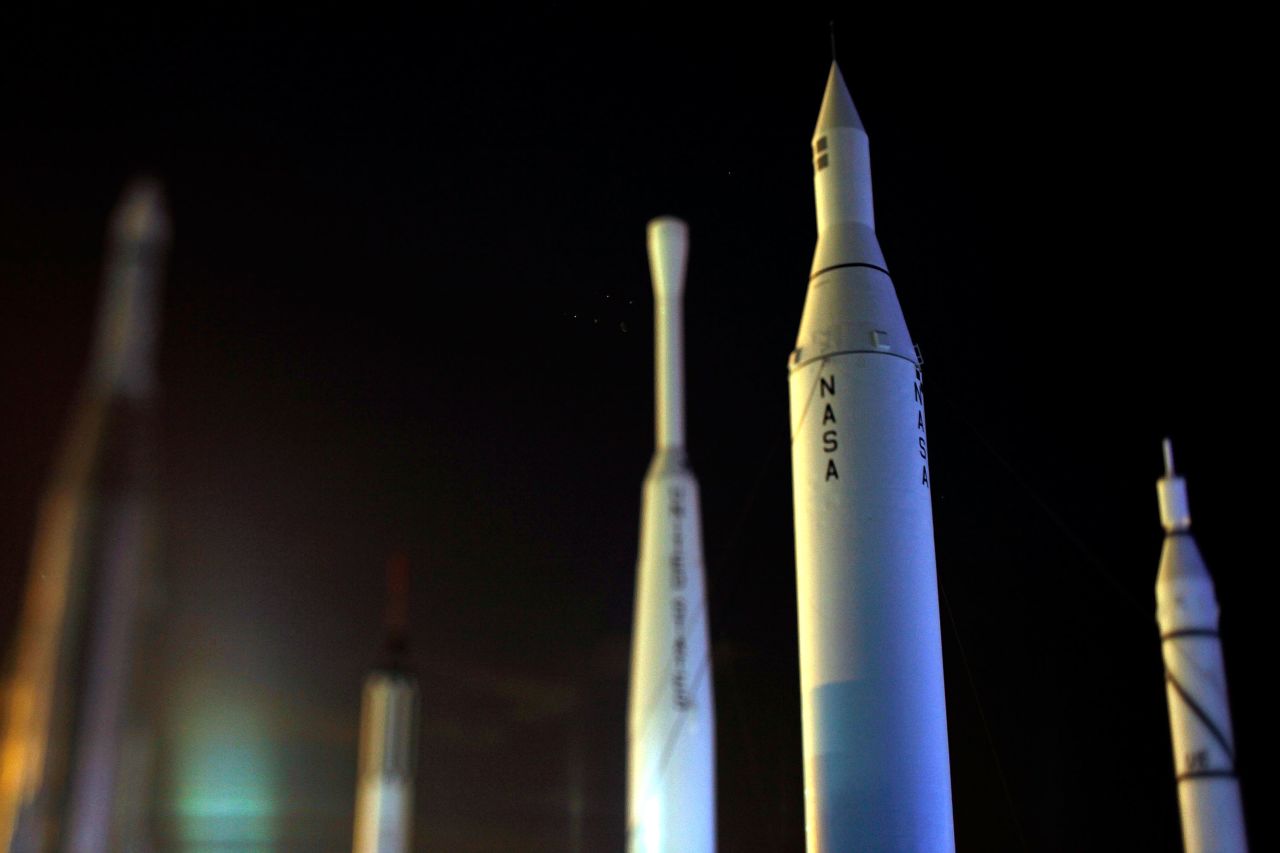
point(837, 105)
point(141, 214)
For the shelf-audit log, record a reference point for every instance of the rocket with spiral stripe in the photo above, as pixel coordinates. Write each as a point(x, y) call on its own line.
point(388, 751)
point(873, 710)
point(671, 805)
point(1204, 752)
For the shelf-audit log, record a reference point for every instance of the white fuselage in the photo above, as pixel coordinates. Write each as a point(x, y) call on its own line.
point(876, 761)
point(670, 719)
point(1196, 687)
point(671, 804)
point(387, 762)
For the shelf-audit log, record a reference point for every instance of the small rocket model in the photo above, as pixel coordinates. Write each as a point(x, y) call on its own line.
point(388, 751)
point(876, 766)
point(1204, 752)
point(671, 804)
point(72, 693)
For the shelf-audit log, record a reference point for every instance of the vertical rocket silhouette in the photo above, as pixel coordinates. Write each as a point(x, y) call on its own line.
point(876, 765)
point(1204, 752)
point(671, 805)
point(73, 690)
point(388, 751)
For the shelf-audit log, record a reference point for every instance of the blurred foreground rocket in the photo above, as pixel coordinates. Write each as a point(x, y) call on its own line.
point(75, 752)
point(1204, 752)
point(671, 805)
point(388, 752)
point(876, 768)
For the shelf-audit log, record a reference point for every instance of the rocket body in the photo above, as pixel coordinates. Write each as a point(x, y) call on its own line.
point(387, 763)
point(73, 697)
point(389, 718)
point(1195, 683)
point(670, 717)
point(877, 769)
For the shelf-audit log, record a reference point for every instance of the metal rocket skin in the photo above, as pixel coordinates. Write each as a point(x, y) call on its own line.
point(671, 806)
point(876, 766)
point(1196, 684)
point(388, 751)
point(72, 698)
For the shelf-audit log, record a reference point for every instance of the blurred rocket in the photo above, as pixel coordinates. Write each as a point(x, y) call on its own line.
point(1204, 752)
point(671, 804)
point(388, 752)
point(73, 684)
point(877, 773)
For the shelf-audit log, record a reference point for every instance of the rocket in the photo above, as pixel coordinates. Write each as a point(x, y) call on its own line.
point(671, 803)
point(873, 710)
point(1204, 752)
point(388, 750)
point(72, 708)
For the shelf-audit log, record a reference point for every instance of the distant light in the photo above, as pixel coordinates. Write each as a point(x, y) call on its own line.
point(226, 785)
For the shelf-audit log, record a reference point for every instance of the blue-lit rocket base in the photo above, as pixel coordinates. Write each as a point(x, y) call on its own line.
point(1204, 752)
point(876, 765)
point(671, 803)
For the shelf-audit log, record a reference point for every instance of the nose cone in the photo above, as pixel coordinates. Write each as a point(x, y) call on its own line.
point(129, 314)
point(668, 239)
point(141, 216)
point(837, 106)
point(842, 182)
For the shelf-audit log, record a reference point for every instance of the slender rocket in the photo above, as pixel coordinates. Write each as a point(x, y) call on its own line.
point(72, 716)
point(1204, 752)
point(671, 804)
point(876, 767)
point(388, 750)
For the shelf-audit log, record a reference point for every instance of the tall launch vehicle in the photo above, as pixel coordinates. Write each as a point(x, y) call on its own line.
point(1204, 752)
point(388, 749)
point(671, 806)
point(876, 764)
point(72, 704)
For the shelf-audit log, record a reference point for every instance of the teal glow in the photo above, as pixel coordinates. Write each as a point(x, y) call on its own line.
point(225, 775)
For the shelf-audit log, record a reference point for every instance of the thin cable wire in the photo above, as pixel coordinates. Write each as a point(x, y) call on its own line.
point(1091, 559)
point(982, 714)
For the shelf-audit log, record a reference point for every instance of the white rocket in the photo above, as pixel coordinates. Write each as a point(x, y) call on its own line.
point(388, 750)
point(72, 756)
point(671, 804)
point(1204, 752)
point(876, 767)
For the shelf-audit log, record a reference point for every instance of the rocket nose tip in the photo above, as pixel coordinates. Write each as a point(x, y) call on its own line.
point(837, 108)
point(1166, 448)
point(668, 250)
point(668, 228)
point(141, 213)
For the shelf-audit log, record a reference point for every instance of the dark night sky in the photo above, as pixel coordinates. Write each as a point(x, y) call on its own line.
point(408, 308)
